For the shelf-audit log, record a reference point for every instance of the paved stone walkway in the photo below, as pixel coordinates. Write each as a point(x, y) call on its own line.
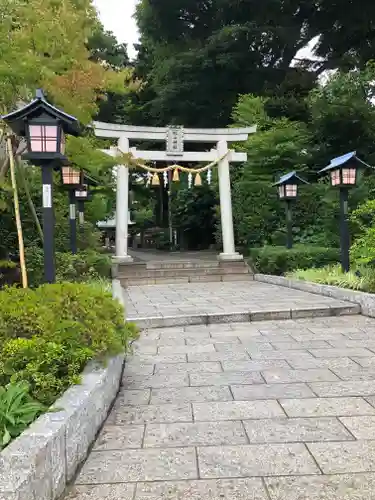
point(271, 410)
point(160, 301)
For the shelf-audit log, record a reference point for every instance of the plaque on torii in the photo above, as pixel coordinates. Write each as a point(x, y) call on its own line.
point(175, 140)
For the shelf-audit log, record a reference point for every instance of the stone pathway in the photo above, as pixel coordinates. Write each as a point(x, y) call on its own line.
point(185, 300)
point(269, 410)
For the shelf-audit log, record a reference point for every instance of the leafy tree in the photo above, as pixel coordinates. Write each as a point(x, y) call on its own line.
point(43, 44)
point(201, 55)
point(61, 47)
point(343, 116)
point(346, 32)
point(193, 213)
point(103, 47)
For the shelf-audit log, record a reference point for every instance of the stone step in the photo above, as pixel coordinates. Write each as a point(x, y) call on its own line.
point(242, 317)
point(210, 278)
point(130, 272)
point(178, 264)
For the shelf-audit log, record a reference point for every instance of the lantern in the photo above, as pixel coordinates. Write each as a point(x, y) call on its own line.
point(71, 177)
point(287, 187)
point(343, 172)
point(44, 126)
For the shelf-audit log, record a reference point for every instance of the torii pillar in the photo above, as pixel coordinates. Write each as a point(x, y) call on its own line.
point(175, 138)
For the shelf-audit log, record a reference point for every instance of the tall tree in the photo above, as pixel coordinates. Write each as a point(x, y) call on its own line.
point(347, 33)
point(43, 43)
point(202, 55)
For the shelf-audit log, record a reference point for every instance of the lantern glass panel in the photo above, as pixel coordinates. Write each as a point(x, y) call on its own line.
point(349, 176)
point(44, 138)
point(335, 177)
point(291, 190)
point(281, 192)
point(70, 176)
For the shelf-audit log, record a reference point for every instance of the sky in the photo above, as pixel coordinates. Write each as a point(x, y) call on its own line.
point(116, 16)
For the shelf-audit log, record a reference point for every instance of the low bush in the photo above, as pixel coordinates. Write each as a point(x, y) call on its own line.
point(279, 260)
point(17, 411)
point(9, 273)
point(48, 335)
point(362, 279)
point(81, 267)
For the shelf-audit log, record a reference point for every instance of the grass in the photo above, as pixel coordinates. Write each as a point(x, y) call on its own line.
point(362, 279)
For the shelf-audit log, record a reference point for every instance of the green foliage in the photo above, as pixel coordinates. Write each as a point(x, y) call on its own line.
point(346, 36)
point(88, 237)
point(342, 115)
point(81, 267)
point(362, 279)
point(17, 411)
point(255, 220)
point(193, 212)
point(280, 145)
point(199, 56)
point(48, 335)
point(280, 260)
point(43, 43)
point(362, 251)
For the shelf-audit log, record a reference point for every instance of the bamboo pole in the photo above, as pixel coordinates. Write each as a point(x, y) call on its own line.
point(17, 212)
point(21, 170)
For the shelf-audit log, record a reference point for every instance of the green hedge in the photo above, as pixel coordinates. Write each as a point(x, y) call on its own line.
point(280, 260)
point(82, 267)
point(48, 335)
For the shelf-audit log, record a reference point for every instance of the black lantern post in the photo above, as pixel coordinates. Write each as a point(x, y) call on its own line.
point(44, 127)
point(72, 180)
point(288, 189)
point(82, 195)
point(343, 172)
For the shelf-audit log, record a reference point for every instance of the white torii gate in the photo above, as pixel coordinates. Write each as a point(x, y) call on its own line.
point(174, 137)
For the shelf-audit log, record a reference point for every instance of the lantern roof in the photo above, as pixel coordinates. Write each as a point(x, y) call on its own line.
point(37, 108)
point(290, 178)
point(342, 160)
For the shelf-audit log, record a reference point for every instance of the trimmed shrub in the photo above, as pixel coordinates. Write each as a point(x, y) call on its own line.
point(84, 266)
point(279, 260)
point(48, 335)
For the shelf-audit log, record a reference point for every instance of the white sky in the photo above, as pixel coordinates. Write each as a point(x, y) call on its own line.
point(116, 16)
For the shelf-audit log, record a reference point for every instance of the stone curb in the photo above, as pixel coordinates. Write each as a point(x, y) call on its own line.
point(365, 301)
point(43, 459)
point(243, 317)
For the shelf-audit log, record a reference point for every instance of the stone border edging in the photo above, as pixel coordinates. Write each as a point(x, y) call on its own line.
point(365, 300)
point(43, 459)
point(243, 317)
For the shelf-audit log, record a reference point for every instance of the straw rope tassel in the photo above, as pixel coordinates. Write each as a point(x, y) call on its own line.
point(176, 177)
point(155, 180)
point(198, 180)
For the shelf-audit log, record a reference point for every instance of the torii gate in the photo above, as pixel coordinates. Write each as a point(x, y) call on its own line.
point(174, 137)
